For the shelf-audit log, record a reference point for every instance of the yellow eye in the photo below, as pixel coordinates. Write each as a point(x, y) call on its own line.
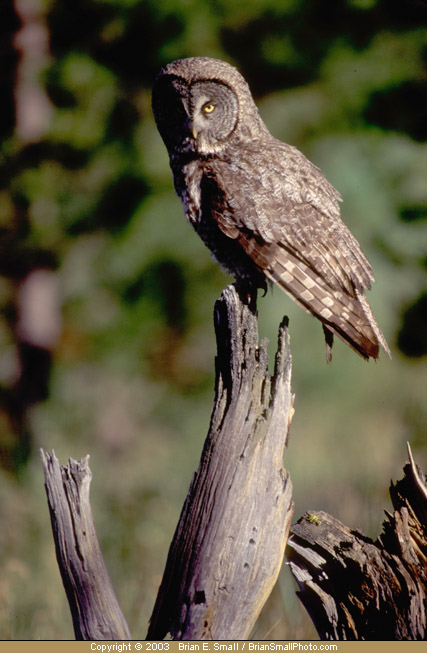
point(208, 108)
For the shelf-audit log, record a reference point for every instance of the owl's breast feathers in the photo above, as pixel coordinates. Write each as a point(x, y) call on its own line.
point(271, 203)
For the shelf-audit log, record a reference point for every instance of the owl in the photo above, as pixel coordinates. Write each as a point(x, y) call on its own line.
point(265, 212)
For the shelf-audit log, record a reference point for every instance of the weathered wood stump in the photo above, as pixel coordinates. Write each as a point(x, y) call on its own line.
point(356, 589)
point(228, 547)
point(230, 541)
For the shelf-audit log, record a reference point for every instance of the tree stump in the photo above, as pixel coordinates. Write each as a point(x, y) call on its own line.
point(228, 547)
point(356, 589)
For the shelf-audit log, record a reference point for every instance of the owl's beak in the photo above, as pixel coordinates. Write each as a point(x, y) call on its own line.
point(192, 127)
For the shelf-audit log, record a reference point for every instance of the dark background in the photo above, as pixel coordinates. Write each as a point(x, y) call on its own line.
point(106, 294)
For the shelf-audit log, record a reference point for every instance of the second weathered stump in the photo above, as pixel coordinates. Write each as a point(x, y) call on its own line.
point(356, 589)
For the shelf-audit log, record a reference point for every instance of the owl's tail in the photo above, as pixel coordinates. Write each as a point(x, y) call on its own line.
point(348, 316)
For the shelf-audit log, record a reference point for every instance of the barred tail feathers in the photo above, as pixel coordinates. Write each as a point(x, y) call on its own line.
point(349, 317)
point(339, 313)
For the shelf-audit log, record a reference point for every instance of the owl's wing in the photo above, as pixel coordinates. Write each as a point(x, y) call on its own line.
point(285, 215)
point(287, 200)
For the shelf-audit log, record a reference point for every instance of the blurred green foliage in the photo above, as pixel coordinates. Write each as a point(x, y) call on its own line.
point(130, 380)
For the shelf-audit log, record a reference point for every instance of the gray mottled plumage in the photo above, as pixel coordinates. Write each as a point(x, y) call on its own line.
point(259, 205)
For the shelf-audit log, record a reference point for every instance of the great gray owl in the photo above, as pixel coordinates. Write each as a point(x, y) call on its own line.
point(259, 205)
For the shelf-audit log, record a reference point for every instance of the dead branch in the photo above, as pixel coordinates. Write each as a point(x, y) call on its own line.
point(93, 604)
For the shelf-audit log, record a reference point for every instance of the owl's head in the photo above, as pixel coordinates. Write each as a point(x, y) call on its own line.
point(200, 104)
